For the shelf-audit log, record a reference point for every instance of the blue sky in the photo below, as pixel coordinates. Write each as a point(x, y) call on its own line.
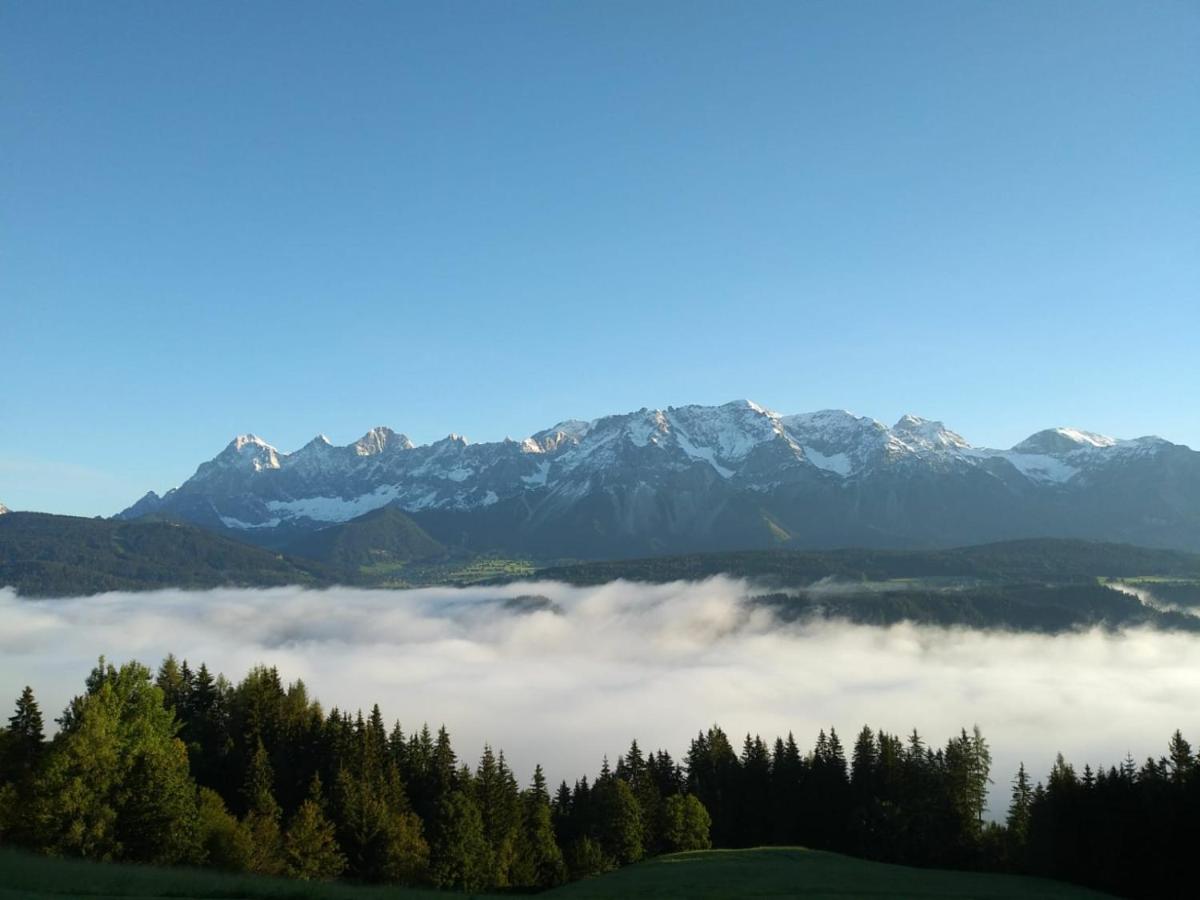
point(292, 218)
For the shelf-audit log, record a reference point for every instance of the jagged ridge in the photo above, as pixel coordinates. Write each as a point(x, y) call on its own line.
point(697, 477)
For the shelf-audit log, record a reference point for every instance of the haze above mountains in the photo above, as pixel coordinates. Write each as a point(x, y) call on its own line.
point(697, 478)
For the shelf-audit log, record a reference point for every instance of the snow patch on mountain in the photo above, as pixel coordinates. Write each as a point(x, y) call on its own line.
point(703, 454)
point(1040, 467)
point(838, 463)
point(538, 478)
point(333, 509)
point(240, 525)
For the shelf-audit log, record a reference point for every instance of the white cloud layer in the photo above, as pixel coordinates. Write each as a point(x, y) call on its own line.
point(566, 684)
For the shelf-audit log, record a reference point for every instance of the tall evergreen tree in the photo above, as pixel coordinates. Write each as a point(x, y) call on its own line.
point(1020, 808)
point(225, 842)
point(310, 848)
point(263, 814)
point(115, 784)
point(537, 861)
point(24, 741)
point(1180, 756)
point(460, 856)
point(619, 820)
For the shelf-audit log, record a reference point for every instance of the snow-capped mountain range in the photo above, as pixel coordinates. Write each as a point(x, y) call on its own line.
point(706, 477)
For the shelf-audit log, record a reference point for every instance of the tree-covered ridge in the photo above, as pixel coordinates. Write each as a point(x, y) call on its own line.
point(1050, 609)
point(1034, 561)
point(48, 555)
point(380, 537)
point(1039, 585)
point(185, 767)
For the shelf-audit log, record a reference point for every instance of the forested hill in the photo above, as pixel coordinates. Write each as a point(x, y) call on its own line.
point(48, 555)
point(258, 777)
point(1035, 561)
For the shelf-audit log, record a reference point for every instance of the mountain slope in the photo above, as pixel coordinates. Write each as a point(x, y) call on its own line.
point(46, 555)
point(383, 535)
point(699, 478)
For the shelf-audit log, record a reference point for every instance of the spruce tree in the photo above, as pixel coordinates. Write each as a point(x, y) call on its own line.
point(498, 798)
point(171, 682)
point(863, 765)
point(460, 856)
point(537, 860)
point(24, 741)
point(263, 814)
point(618, 820)
point(1180, 755)
point(115, 783)
point(310, 848)
point(1020, 808)
point(225, 842)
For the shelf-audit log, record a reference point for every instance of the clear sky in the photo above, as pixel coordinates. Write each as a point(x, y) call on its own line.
point(291, 218)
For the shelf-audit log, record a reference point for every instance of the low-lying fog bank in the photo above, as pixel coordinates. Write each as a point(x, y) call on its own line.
point(564, 675)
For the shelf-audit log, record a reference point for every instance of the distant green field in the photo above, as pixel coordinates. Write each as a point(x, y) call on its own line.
point(455, 571)
point(759, 873)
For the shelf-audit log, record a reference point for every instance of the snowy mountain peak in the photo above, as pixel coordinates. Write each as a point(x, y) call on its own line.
point(834, 426)
point(319, 443)
point(242, 441)
point(1087, 437)
point(1063, 440)
point(927, 433)
point(747, 404)
point(571, 431)
point(653, 470)
point(251, 451)
point(380, 439)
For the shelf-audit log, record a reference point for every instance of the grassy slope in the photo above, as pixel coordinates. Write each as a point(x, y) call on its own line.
point(761, 873)
point(794, 872)
point(24, 876)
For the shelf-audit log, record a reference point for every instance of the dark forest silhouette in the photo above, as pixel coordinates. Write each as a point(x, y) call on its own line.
point(185, 767)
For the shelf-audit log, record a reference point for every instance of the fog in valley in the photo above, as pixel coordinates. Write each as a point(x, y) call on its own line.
point(564, 675)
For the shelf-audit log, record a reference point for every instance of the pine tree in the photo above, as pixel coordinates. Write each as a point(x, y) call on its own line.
point(863, 765)
point(618, 820)
point(443, 764)
point(754, 826)
point(171, 682)
point(115, 783)
point(310, 848)
point(1020, 809)
point(24, 742)
point(586, 857)
point(263, 815)
point(225, 842)
point(537, 860)
point(1180, 754)
point(459, 853)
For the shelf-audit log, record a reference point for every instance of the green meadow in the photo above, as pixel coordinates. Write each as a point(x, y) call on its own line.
point(717, 874)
